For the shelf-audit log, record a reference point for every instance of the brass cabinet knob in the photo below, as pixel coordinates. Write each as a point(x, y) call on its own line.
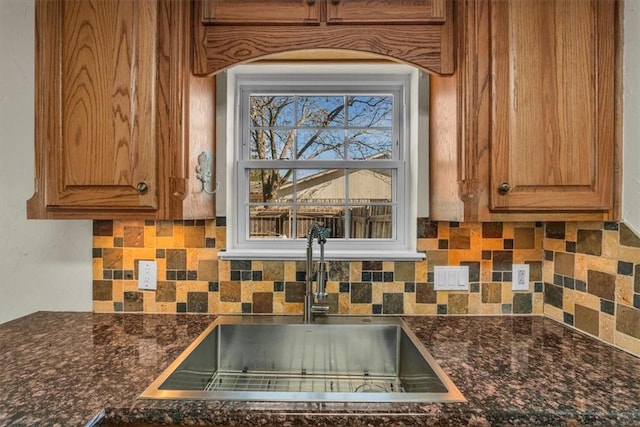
point(504, 188)
point(142, 187)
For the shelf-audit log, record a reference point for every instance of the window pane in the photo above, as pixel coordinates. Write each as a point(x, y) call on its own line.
point(320, 144)
point(320, 111)
point(271, 144)
point(271, 111)
point(269, 222)
point(320, 185)
point(370, 111)
point(270, 185)
point(371, 222)
point(331, 217)
point(370, 184)
point(369, 144)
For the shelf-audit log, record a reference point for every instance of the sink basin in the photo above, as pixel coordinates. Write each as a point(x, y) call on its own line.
point(278, 358)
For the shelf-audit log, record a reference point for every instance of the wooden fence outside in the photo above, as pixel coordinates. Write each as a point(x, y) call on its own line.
point(366, 222)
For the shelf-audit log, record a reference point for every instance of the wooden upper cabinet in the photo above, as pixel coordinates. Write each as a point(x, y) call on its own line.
point(261, 11)
point(239, 12)
point(384, 11)
point(111, 108)
point(552, 126)
point(95, 94)
point(239, 31)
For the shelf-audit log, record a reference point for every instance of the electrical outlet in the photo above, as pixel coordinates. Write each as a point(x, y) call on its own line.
point(520, 277)
point(451, 278)
point(147, 275)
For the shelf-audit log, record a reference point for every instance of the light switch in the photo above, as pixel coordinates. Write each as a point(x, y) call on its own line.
point(451, 278)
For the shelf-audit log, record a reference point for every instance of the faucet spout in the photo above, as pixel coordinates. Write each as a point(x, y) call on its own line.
point(312, 305)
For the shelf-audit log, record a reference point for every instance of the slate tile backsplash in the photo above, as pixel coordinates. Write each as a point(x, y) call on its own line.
point(590, 270)
point(586, 275)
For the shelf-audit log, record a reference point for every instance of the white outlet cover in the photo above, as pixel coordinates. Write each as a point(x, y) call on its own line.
point(148, 275)
point(520, 277)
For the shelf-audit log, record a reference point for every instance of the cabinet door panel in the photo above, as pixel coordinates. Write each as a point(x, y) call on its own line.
point(552, 130)
point(260, 11)
point(385, 11)
point(102, 125)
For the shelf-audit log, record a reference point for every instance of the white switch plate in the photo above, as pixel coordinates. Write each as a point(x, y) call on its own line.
point(520, 277)
point(147, 275)
point(451, 278)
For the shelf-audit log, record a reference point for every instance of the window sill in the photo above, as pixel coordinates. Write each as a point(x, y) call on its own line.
point(329, 255)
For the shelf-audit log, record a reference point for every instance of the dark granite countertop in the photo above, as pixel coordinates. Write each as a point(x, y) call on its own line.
point(62, 369)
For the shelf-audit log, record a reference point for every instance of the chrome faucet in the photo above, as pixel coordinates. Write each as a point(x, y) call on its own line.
point(313, 305)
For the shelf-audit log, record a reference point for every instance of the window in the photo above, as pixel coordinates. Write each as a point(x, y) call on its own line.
point(332, 148)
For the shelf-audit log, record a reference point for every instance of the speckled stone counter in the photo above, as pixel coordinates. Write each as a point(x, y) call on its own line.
point(62, 369)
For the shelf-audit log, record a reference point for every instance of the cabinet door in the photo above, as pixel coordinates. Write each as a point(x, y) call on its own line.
point(552, 125)
point(95, 101)
point(385, 11)
point(261, 11)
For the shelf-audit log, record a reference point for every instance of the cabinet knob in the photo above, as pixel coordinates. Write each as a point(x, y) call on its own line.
point(311, 2)
point(504, 188)
point(335, 1)
point(142, 187)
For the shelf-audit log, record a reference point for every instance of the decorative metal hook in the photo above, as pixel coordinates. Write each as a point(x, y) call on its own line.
point(203, 172)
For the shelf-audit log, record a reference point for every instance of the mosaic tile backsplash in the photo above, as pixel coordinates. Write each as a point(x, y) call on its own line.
point(586, 275)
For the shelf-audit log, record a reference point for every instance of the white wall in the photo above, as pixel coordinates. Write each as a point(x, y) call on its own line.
point(44, 265)
point(631, 117)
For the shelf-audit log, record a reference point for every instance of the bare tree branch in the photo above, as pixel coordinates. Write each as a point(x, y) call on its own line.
point(273, 117)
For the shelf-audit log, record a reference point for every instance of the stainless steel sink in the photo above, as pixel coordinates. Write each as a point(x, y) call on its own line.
point(277, 358)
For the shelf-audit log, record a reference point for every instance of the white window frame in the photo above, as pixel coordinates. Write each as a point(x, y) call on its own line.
point(304, 76)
